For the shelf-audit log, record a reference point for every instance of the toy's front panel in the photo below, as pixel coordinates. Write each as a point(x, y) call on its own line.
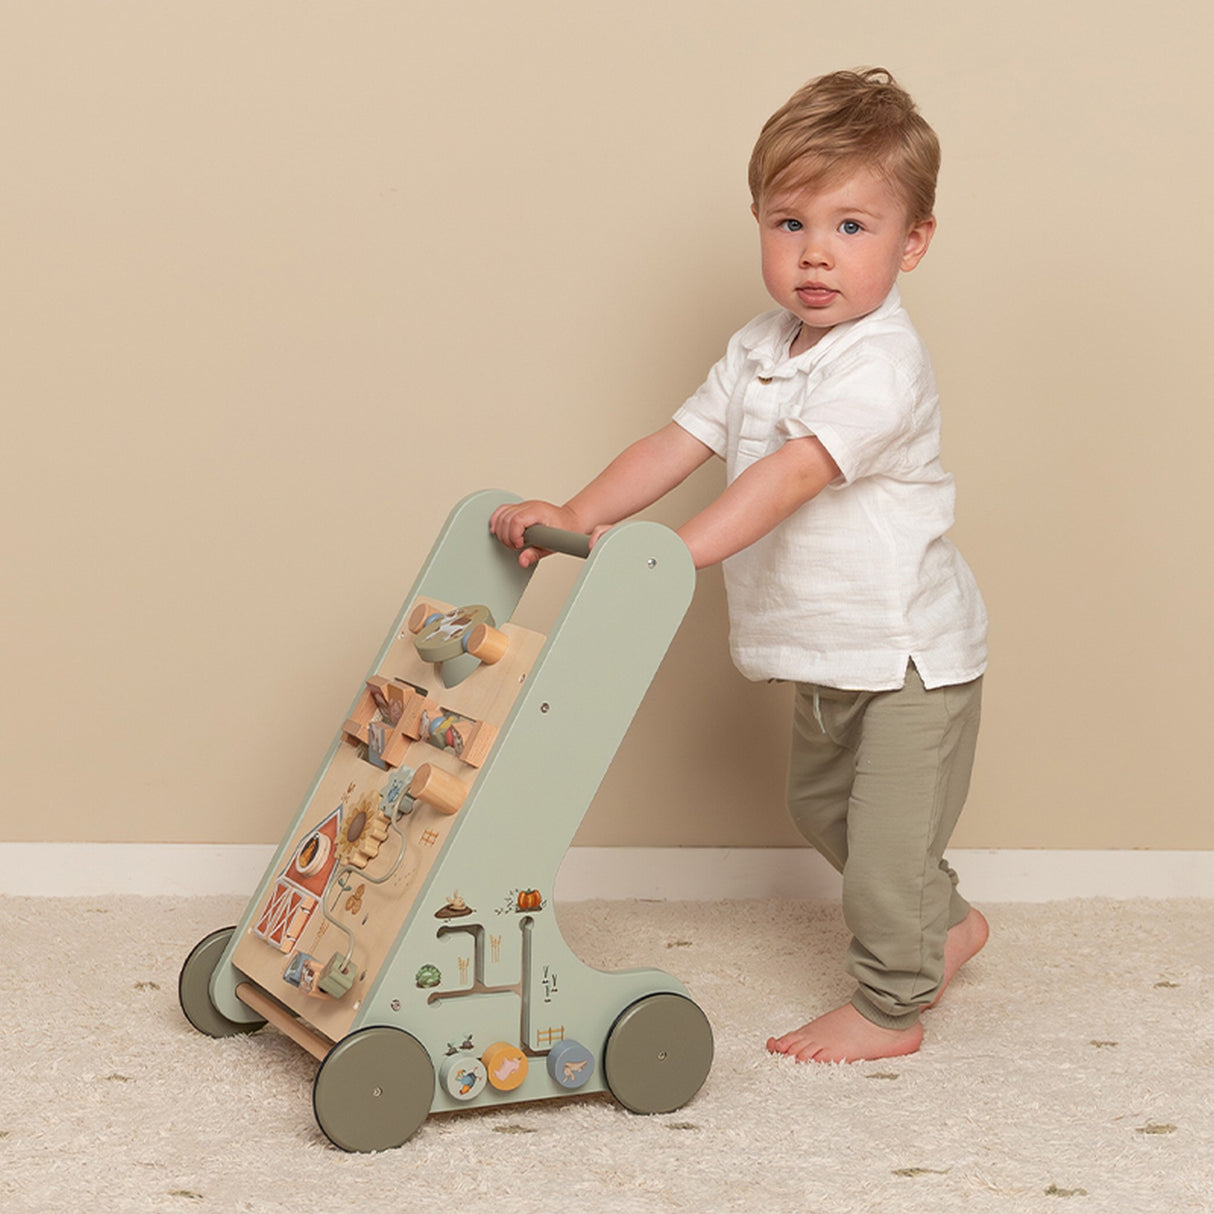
point(364, 847)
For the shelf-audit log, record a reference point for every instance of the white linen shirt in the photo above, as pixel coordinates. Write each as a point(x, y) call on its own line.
point(861, 577)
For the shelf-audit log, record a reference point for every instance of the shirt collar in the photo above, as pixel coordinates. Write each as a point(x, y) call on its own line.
point(769, 346)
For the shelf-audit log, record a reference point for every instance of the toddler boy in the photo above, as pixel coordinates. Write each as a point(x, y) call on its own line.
point(832, 533)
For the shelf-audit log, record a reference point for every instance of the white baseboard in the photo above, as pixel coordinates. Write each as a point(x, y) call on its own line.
point(662, 873)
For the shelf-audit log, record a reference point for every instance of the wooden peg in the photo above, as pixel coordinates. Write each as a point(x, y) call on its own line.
point(434, 786)
point(417, 618)
point(487, 644)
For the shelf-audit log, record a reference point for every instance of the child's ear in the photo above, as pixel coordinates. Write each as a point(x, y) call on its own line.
point(917, 241)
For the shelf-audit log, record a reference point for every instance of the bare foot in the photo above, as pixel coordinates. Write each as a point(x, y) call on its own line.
point(845, 1036)
point(965, 939)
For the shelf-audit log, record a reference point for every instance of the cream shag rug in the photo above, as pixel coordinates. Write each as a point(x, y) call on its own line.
point(1070, 1069)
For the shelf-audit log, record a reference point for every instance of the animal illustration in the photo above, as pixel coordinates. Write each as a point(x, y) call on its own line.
point(506, 1068)
point(573, 1069)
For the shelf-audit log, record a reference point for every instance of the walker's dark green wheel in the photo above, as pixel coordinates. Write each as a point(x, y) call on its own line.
point(194, 989)
point(658, 1054)
point(373, 1090)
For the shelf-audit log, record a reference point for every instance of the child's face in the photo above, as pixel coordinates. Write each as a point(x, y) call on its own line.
point(832, 254)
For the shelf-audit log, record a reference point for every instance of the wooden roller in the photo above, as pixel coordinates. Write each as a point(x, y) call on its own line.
point(283, 1020)
point(433, 786)
point(487, 644)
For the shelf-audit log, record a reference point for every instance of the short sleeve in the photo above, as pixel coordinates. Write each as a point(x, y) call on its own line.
point(705, 414)
point(862, 411)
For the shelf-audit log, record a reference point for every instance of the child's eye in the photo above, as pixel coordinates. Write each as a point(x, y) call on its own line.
point(791, 225)
point(849, 227)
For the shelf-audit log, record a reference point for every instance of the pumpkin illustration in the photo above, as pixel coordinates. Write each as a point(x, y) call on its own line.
point(530, 899)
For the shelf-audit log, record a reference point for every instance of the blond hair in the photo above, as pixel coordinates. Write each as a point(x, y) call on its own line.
point(844, 121)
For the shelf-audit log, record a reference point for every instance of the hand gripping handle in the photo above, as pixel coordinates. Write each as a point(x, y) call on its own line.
point(572, 543)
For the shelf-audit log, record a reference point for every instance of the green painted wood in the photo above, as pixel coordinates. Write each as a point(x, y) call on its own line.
point(373, 1090)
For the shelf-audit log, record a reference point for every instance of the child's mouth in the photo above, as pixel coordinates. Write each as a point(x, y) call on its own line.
point(816, 295)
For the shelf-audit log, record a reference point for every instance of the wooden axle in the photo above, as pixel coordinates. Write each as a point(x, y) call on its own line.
point(277, 1015)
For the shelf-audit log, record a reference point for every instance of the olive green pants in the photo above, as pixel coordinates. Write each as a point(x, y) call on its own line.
point(877, 780)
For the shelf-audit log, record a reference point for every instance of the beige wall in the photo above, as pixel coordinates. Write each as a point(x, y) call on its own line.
point(282, 281)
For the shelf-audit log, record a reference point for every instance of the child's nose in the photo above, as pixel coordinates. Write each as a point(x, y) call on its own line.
point(814, 253)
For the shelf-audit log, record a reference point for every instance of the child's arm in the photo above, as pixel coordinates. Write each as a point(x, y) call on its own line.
point(635, 479)
point(764, 495)
point(757, 500)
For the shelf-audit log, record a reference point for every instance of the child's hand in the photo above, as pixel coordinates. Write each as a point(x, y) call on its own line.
point(597, 532)
point(509, 522)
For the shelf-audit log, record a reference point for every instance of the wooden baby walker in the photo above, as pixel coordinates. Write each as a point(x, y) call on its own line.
point(403, 932)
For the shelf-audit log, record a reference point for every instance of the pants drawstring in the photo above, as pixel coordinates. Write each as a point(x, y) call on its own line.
point(818, 710)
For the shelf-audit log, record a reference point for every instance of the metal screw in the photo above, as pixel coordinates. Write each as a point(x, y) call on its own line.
point(377, 1092)
point(544, 707)
point(396, 1005)
point(652, 562)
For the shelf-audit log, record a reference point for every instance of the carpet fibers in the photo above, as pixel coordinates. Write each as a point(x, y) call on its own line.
point(1069, 1069)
